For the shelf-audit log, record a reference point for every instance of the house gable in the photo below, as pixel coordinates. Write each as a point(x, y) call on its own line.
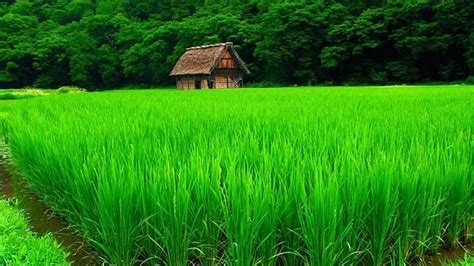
point(227, 61)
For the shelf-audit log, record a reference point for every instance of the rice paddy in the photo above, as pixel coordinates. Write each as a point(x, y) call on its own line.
point(316, 176)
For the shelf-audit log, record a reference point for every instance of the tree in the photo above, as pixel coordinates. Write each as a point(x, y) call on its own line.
point(50, 59)
point(104, 43)
point(469, 54)
point(17, 33)
point(293, 37)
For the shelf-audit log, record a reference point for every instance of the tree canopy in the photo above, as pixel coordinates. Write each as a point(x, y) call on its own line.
point(101, 44)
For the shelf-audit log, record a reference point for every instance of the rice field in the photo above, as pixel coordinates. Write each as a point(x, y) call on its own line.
point(295, 176)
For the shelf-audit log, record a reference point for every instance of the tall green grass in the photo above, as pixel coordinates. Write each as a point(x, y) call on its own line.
point(318, 176)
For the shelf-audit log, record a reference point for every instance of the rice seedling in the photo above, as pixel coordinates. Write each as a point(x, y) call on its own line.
point(316, 176)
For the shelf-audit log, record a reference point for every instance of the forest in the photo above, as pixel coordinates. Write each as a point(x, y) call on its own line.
point(102, 44)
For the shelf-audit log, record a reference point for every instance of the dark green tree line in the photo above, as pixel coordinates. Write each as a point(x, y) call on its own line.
point(107, 43)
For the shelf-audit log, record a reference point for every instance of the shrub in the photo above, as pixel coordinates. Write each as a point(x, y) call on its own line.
point(470, 80)
point(263, 84)
point(17, 95)
point(70, 89)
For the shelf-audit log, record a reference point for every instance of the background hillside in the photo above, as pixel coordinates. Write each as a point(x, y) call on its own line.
point(105, 43)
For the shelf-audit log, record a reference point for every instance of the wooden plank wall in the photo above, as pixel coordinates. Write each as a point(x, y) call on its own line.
point(188, 82)
point(185, 83)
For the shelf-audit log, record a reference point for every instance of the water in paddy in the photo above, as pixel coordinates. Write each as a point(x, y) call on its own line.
point(40, 216)
point(445, 256)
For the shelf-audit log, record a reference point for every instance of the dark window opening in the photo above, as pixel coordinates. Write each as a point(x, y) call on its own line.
point(210, 84)
point(197, 84)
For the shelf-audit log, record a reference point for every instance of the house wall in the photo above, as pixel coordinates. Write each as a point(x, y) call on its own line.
point(185, 83)
point(204, 84)
point(220, 81)
point(228, 79)
point(189, 82)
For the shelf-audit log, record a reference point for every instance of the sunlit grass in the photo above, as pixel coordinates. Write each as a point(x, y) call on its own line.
point(19, 246)
point(322, 176)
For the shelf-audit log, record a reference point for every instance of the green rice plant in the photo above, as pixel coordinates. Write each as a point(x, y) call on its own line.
point(307, 176)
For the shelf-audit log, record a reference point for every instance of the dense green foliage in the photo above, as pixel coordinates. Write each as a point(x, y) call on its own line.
point(18, 246)
point(327, 176)
point(102, 43)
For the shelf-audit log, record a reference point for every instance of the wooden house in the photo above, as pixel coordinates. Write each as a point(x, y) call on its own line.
point(208, 67)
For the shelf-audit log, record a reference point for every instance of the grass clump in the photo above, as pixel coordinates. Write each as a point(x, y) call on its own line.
point(21, 94)
point(316, 176)
point(14, 96)
point(18, 245)
point(26, 93)
point(70, 89)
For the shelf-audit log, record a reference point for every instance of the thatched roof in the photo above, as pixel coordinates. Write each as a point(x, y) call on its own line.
point(203, 59)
